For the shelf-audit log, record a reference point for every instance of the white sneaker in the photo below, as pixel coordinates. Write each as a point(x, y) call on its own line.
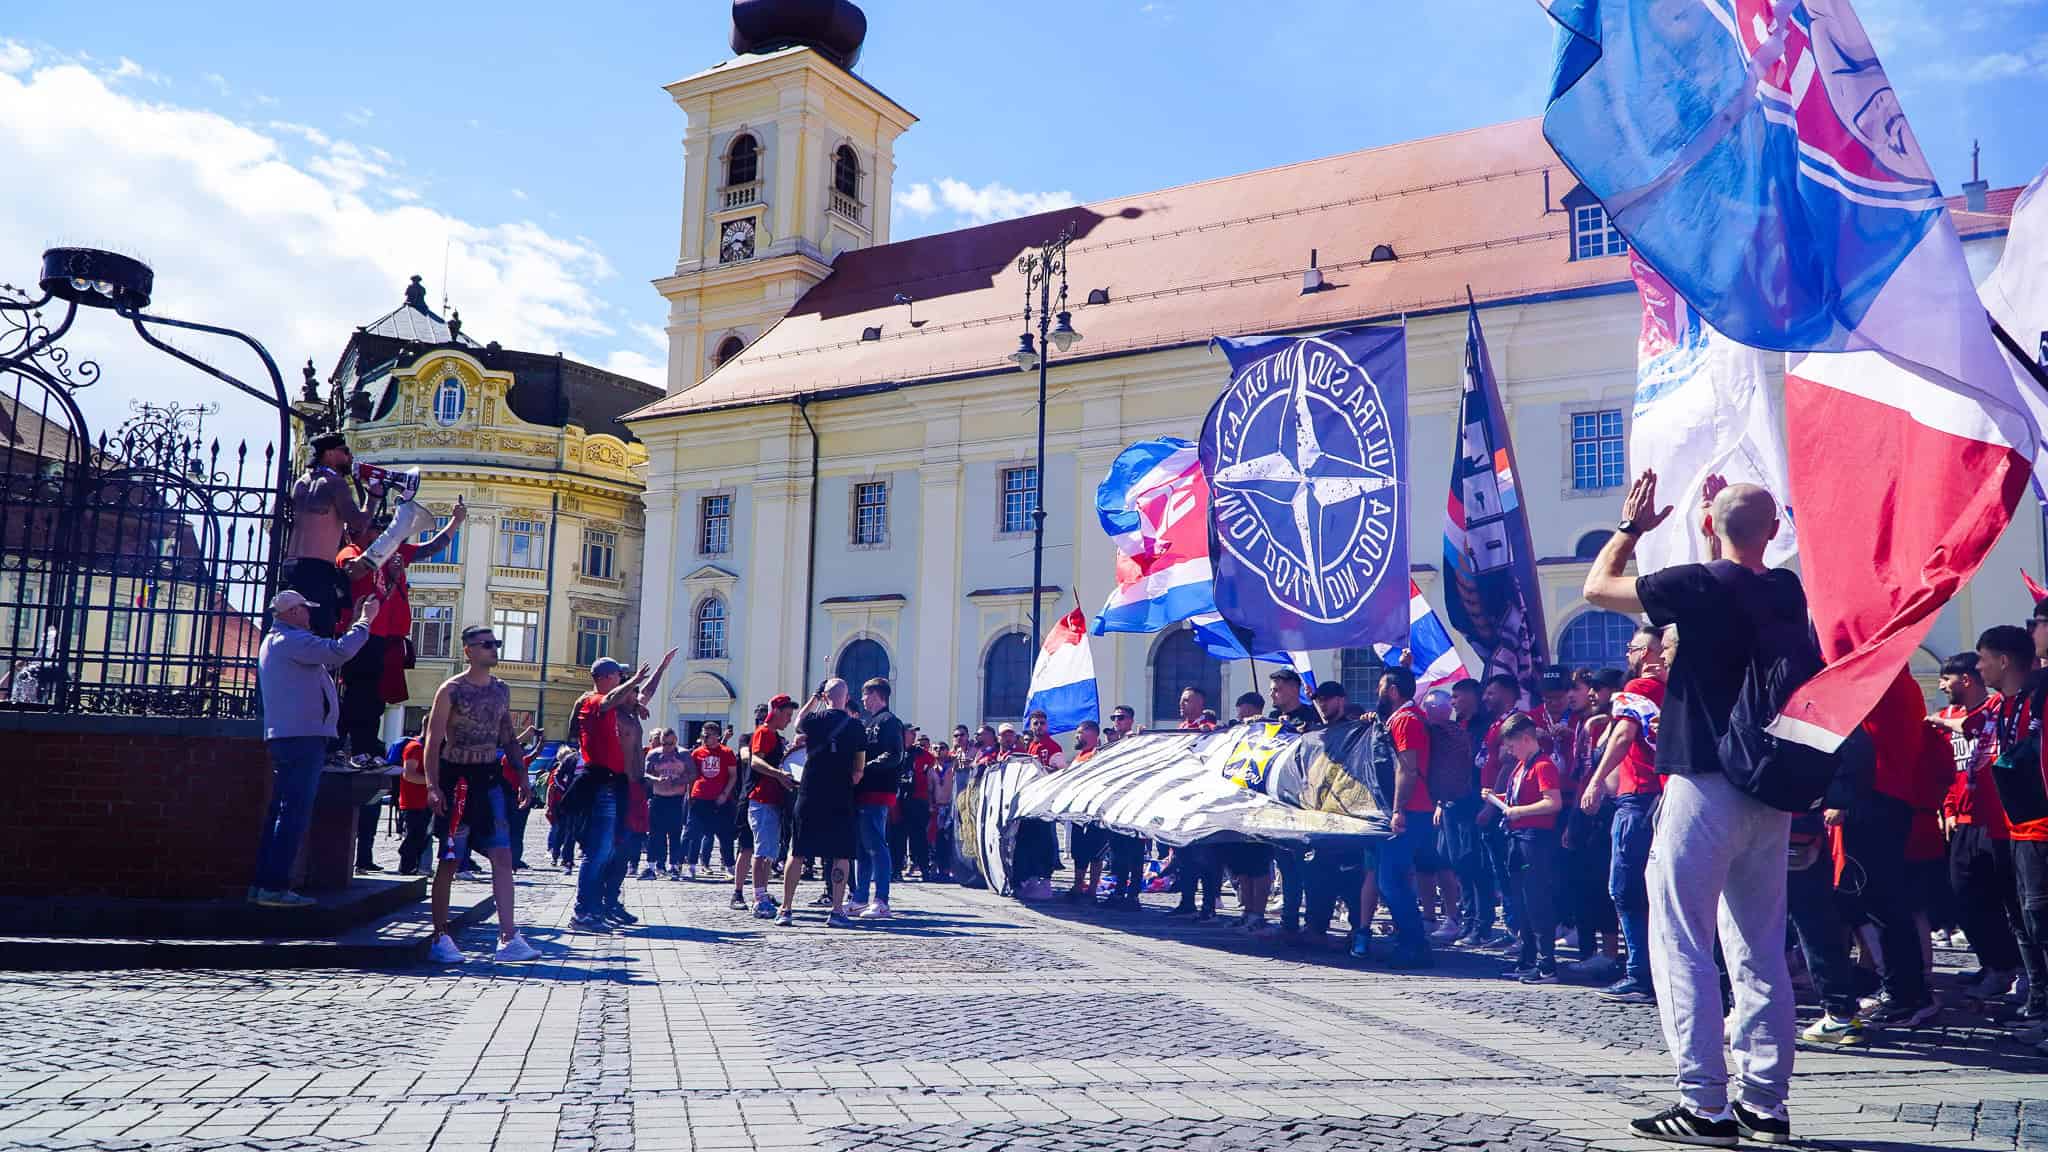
point(515, 950)
point(693, 871)
point(1448, 932)
point(444, 950)
point(879, 910)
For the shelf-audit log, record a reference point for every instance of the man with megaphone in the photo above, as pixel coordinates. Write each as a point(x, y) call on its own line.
point(325, 516)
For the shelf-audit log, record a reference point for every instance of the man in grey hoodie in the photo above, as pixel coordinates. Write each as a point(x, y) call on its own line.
point(295, 674)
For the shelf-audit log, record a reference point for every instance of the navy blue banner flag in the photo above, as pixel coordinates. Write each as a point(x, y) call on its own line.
point(1490, 589)
point(1308, 490)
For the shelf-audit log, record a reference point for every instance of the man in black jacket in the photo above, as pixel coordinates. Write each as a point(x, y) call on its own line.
point(888, 759)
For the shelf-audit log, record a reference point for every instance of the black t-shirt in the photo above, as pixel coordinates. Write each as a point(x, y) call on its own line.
point(1304, 718)
point(1715, 639)
point(888, 755)
point(831, 741)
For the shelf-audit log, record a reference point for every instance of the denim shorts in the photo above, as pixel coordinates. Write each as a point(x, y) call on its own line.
point(765, 820)
point(459, 842)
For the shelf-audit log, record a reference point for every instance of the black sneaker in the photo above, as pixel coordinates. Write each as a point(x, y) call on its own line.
point(1682, 1126)
point(1762, 1128)
point(617, 914)
point(1626, 991)
point(369, 867)
point(1897, 1015)
point(1541, 974)
point(738, 903)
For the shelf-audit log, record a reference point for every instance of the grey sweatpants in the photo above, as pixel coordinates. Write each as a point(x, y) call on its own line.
point(1718, 860)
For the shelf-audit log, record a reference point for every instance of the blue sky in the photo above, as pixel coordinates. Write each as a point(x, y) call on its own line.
point(537, 143)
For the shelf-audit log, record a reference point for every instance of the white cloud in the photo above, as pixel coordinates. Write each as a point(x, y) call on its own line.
point(14, 57)
point(639, 367)
point(971, 205)
point(361, 117)
point(518, 194)
point(218, 83)
point(652, 334)
point(126, 69)
point(273, 228)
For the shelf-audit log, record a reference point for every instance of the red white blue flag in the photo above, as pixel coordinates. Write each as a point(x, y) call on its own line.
point(1432, 656)
point(1063, 680)
point(1755, 154)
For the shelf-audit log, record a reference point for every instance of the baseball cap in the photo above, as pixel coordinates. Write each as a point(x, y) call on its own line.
point(782, 700)
point(289, 599)
point(1610, 678)
point(327, 440)
point(1555, 680)
point(606, 666)
point(1329, 690)
point(1010, 728)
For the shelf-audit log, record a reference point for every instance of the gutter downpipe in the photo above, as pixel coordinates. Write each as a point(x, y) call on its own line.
point(547, 611)
point(803, 409)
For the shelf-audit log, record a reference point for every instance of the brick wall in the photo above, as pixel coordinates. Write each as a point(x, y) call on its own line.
point(130, 807)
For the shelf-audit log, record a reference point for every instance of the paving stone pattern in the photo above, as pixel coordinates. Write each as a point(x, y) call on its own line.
point(1359, 1134)
point(2015, 1123)
point(1062, 1026)
point(1554, 1008)
point(877, 952)
point(67, 1035)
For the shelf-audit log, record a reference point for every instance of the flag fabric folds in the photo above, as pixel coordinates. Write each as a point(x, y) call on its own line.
point(1063, 679)
point(2016, 295)
point(1703, 408)
point(1433, 658)
point(1490, 588)
point(1154, 503)
point(1754, 153)
point(1307, 489)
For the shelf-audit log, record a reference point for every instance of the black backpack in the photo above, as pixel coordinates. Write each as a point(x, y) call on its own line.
point(2018, 768)
point(1782, 774)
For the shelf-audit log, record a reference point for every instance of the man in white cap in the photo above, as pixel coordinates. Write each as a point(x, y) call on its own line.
point(295, 674)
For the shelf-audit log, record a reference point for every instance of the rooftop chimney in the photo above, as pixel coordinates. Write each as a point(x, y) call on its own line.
point(1311, 280)
point(1974, 192)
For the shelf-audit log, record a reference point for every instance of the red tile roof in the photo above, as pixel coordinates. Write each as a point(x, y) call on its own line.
point(1222, 257)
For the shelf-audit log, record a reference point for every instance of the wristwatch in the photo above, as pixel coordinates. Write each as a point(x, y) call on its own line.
point(1627, 527)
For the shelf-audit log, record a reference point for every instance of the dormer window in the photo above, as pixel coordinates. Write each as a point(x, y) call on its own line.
point(743, 161)
point(1593, 234)
point(449, 400)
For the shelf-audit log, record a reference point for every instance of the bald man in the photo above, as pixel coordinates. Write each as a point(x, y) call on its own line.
point(1715, 848)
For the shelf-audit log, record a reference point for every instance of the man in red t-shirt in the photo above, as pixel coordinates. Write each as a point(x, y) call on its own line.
point(1979, 843)
point(717, 775)
point(1410, 823)
point(601, 793)
point(2005, 657)
point(772, 788)
point(1627, 770)
point(415, 814)
point(1530, 805)
point(910, 828)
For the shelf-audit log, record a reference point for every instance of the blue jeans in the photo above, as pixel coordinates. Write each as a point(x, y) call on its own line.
point(600, 841)
point(700, 824)
point(1633, 826)
point(295, 763)
point(871, 867)
point(1397, 881)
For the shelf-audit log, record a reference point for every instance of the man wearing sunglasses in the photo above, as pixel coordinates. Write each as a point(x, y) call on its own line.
point(469, 731)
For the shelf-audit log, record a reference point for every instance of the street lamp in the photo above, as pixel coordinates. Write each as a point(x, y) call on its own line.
point(1055, 331)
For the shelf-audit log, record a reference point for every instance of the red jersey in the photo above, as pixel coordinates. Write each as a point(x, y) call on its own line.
point(921, 763)
point(2015, 719)
point(1527, 784)
point(768, 748)
point(1641, 700)
point(394, 610)
point(716, 767)
point(1408, 731)
point(598, 733)
point(412, 796)
point(1973, 795)
point(1045, 748)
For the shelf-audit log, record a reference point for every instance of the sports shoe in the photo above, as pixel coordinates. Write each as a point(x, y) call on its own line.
point(1680, 1125)
point(1361, 946)
point(693, 871)
point(647, 873)
point(595, 925)
point(1447, 933)
point(824, 900)
point(675, 873)
point(569, 869)
point(1597, 969)
point(1541, 974)
point(1627, 991)
point(281, 898)
point(1205, 917)
point(738, 903)
point(371, 866)
point(515, 950)
point(1831, 1029)
point(618, 915)
point(837, 920)
point(765, 910)
point(786, 920)
point(1761, 1126)
point(879, 910)
point(1875, 1002)
point(444, 950)
point(1896, 1015)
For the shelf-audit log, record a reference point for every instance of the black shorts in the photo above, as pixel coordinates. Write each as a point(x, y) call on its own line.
point(1246, 858)
point(1086, 843)
point(824, 832)
point(742, 831)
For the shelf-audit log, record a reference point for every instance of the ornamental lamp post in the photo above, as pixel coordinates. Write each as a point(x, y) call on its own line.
point(1055, 331)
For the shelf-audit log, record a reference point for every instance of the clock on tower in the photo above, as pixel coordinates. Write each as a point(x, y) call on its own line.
point(736, 241)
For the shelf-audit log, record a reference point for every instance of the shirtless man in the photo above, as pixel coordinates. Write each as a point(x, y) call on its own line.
point(469, 730)
point(324, 517)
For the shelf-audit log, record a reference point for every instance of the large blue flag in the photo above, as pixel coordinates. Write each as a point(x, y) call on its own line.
point(1308, 490)
point(1491, 593)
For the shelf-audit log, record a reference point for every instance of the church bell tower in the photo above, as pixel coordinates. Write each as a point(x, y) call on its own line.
point(788, 162)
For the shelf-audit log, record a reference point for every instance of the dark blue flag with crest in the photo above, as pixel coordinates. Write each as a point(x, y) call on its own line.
point(1308, 490)
point(1491, 593)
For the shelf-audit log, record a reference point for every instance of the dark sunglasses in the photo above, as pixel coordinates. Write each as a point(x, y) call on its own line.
point(2034, 623)
point(486, 644)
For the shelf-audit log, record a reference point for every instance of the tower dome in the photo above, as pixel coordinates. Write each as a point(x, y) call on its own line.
point(834, 28)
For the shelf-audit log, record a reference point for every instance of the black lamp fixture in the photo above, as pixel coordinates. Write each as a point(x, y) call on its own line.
point(1041, 268)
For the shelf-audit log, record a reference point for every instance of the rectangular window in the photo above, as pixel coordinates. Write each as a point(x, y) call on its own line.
point(599, 549)
point(117, 629)
point(522, 543)
point(519, 629)
point(433, 631)
point(1593, 234)
point(593, 639)
point(1599, 451)
point(1020, 498)
point(452, 554)
point(716, 517)
point(871, 513)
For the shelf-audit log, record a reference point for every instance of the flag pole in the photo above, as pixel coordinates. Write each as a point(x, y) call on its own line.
point(2039, 373)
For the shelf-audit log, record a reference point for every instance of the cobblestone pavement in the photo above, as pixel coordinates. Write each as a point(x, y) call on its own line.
point(968, 1022)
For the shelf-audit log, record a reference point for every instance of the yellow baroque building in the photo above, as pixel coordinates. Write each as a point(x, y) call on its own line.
point(550, 553)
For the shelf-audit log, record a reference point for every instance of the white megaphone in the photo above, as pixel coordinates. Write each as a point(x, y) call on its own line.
point(399, 485)
point(408, 520)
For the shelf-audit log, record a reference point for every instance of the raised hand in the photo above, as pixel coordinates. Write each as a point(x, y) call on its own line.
point(1641, 503)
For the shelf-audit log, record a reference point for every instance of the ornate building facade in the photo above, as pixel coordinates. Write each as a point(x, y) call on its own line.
point(551, 552)
point(849, 490)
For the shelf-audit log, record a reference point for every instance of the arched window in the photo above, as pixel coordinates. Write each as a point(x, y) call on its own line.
point(1006, 678)
point(448, 401)
point(728, 348)
point(1595, 640)
point(1179, 662)
point(742, 161)
point(860, 662)
point(846, 172)
point(708, 637)
point(1591, 543)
